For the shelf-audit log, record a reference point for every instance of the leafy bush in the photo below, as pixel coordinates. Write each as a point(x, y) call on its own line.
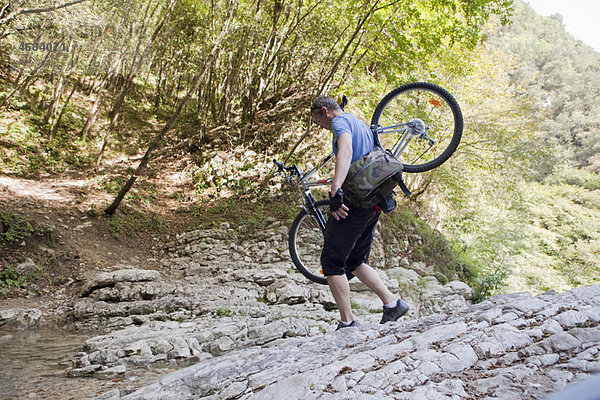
point(488, 284)
point(15, 228)
point(11, 278)
point(576, 177)
point(433, 248)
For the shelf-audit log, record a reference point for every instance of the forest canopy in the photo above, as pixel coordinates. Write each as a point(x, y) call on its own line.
point(266, 49)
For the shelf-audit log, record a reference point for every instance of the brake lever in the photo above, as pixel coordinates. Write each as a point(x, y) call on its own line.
point(279, 164)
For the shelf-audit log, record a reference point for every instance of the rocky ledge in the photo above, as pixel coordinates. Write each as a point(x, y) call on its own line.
point(215, 294)
point(509, 347)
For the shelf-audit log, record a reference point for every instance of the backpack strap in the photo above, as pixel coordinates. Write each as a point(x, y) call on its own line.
point(398, 177)
point(402, 185)
point(380, 197)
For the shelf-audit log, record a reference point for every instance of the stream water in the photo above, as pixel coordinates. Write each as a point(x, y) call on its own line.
point(33, 366)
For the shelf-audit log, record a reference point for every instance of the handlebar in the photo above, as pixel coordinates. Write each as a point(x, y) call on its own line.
point(298, 178)
point(281, 166)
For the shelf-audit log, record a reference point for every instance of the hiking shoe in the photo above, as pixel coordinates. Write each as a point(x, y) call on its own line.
point(353, 324)
point(393, 313)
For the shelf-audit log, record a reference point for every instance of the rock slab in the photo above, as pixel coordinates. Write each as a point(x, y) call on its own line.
point(510, 347)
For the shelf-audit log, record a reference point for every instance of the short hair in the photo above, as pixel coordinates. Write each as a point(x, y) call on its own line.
point(324, 101)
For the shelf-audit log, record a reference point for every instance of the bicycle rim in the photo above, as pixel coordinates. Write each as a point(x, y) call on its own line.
point(306, 243)
point(436, 108)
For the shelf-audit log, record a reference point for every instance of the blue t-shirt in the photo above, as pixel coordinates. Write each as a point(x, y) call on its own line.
point(362, 137)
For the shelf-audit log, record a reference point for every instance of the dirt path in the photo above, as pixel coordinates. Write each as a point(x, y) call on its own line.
point(50, 190)
point(81, 242)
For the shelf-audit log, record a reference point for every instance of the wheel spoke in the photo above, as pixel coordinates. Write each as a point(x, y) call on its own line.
point(436, 108)
point(306, 245)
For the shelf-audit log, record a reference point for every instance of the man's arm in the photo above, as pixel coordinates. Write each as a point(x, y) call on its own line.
point(342, 165)
point(342, 161)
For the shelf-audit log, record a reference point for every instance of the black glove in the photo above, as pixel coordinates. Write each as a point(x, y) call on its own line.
point(336, 201)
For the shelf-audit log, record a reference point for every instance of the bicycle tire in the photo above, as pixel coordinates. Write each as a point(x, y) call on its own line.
point(433, 105)
point(305, 243)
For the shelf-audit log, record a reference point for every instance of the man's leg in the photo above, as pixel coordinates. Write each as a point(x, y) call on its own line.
point(393, 307)
point(360, 254)
point(370, 277)
point(340, 289)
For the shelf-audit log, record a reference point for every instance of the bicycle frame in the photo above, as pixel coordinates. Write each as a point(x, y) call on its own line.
point(302, 181)
point(410, 130)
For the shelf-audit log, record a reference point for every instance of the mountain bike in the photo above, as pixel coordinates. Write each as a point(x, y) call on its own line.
point(420, 123)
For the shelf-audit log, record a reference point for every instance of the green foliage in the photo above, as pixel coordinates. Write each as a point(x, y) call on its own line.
point(427, 245)
point(534, 238)
point(418, 34)
point(272, 52)
point(565, 221)
point(24, 147)
point(488, 284)
point(525, 219)
point(11, 279)
point(357, 306)
point(560, 74)
point(584, 178)
point(224, 312)
point(245, 213)
point(130, 221)
point(111, 185)
point(14, 228)
point(115, 226)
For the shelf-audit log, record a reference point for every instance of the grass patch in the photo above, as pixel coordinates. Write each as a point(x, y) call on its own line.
point(11, 278)
point(432, 248)
point(14, 229)
point(355, 306)
point(245, 213)
point(130, 221)
point(224, 312)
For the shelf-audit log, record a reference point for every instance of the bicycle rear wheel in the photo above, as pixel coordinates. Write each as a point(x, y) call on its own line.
point(306, 242)
point(424, 117)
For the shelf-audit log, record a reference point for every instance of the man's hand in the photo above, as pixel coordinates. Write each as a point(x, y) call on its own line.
point(337, 206)
point(342, 212)
point(342, 164)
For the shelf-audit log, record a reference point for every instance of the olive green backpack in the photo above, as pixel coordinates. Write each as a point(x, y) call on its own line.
point(372, 178)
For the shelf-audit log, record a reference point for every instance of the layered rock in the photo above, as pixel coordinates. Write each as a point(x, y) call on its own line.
point(510, 347)
point(18, 319)
point(219, 293)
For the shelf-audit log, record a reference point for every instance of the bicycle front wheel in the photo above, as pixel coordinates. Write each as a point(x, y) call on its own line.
point(421, 123)
point(306, 242)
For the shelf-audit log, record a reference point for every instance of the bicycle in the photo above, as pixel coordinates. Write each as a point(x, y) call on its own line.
point(420, 123)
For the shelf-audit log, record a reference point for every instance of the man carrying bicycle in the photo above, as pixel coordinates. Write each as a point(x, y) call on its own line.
point(350, 229)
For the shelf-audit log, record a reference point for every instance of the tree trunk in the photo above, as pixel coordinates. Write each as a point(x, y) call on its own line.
point(93, 115)
point(114, 115)
point(359, 26)
point(99, 102)
point(54, 128)
point(158, 94)
point(110, 210)
point(59, 88)
point(136, 64)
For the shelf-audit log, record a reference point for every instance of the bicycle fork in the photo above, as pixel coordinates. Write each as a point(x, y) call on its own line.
point(314, 212)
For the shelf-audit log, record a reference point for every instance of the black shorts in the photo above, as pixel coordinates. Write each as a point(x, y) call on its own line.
point(348, 241)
